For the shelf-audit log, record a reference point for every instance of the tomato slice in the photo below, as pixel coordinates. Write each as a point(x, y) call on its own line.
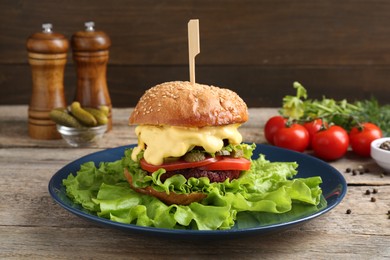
point(176, 165)
point(210, 164)
point(228, 163)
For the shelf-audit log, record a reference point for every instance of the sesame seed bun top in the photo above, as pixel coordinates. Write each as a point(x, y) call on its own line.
point(180, 103)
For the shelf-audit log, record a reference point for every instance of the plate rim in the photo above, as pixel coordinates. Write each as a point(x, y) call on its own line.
point(53, 191)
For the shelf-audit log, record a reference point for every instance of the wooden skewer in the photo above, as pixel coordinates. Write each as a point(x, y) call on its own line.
point(193, 46)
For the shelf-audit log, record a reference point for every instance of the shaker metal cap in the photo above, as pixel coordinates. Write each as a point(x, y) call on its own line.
point(89, 26)
point(47, 28)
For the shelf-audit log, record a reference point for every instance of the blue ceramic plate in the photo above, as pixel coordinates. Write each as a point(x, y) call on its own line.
point(334, 189)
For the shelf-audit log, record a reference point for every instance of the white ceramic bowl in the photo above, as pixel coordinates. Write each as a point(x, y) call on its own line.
point(79, 137)
point(381, 156)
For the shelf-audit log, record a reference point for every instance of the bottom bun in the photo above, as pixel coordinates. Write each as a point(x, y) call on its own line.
point(169, 199)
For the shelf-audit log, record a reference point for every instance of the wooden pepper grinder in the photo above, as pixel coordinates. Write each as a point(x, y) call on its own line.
point(90, 54)
point(47, 52)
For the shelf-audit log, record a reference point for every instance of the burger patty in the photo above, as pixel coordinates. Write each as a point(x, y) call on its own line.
point(214, 176)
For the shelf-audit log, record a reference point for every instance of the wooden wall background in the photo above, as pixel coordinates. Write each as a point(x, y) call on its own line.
point(340, 49)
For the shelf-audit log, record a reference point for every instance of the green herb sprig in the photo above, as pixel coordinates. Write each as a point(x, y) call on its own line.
point(342, 112)
point(371, 111)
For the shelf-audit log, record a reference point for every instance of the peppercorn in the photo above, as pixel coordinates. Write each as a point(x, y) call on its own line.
point(348, 170)
point(348, 211)
point(373, 199)
point(385, 145)
point(374, 191)
point(368, 192)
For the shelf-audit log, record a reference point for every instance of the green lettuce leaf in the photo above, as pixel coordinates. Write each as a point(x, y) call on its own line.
point(86, 185)
point(246, 149)
point(267, 188)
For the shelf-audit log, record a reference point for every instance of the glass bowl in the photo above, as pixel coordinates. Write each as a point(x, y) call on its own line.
point(78, 137)
point(381, 156)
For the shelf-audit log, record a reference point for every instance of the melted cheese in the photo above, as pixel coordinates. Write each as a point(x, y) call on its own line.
point(160, 142)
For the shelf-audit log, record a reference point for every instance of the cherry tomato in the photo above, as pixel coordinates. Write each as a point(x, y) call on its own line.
point(272, 126)
point(294, 137)
point(361, 138)
point(228, 163)
point(313, 127)
point(176, 165)
point(331, 143)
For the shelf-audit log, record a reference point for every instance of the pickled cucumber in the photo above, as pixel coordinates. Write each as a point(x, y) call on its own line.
point(237, 153)
point(99, 115)
point(105, 109)
point(82, 115)
point(63, 109)
point(61, 117)
point(171, 159)
point(194, 156)
point(222, 153)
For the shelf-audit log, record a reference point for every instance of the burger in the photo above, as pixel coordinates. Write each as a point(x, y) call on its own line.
point(187, 132)
point(190, 169)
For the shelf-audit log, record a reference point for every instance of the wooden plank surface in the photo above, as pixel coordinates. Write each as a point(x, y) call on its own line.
point(33, 226)
point(281, 32)
point(337, 49)
point(259, 86)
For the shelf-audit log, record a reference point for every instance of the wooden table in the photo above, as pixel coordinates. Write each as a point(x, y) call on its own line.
point(33, 226)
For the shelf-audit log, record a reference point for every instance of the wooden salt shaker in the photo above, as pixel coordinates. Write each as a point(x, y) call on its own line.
point(47, 52)
point(90, 54)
